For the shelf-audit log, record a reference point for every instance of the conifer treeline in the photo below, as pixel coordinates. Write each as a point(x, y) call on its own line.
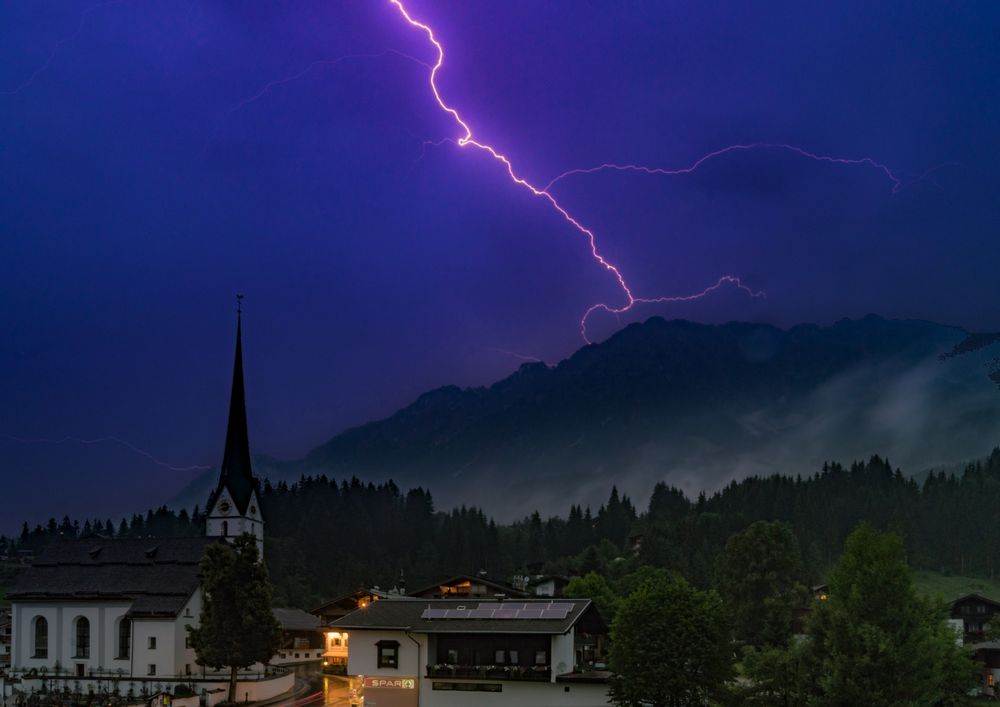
point(325, 537)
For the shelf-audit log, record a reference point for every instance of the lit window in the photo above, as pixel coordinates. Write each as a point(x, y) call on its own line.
point(990, 680)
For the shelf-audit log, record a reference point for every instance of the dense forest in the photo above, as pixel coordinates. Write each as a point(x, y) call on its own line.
point(325, 537)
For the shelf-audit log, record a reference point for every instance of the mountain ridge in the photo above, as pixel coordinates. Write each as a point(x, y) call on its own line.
point(696, 404)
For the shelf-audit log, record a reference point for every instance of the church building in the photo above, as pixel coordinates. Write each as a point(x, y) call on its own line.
point(94, 612)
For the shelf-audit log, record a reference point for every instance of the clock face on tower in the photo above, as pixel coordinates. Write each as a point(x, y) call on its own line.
point(224, 507)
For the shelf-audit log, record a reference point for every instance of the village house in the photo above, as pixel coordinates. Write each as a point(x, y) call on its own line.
point(302, 638)
point(468, 586)
point(460, 652)
point(974, 611)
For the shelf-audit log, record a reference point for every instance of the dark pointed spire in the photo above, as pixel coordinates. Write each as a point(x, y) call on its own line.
point(237, 473)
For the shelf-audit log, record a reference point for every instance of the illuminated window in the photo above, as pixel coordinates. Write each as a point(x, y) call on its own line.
point(990, 680)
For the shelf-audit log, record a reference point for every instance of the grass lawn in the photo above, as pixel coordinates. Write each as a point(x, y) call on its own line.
point(951, 586)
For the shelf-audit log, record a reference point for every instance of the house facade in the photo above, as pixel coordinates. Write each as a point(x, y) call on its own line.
point(529, 653)
point(302, 638)
point(974, 611)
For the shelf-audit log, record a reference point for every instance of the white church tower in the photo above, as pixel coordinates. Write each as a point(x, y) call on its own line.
point(234, 506)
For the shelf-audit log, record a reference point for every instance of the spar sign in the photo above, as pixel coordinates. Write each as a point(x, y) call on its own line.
point(391, 683)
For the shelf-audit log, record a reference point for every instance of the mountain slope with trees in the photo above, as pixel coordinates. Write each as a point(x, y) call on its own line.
point(695, 405)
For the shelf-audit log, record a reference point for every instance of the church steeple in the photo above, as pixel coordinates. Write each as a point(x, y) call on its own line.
point(237, 473)
point(233, 507)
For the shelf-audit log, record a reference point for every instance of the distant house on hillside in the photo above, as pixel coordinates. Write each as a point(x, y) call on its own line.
point(465, 652)
point(549, 585)
point(466, 586)
point(974, 611)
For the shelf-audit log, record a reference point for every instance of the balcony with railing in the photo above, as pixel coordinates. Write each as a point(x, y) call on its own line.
point(534, 673)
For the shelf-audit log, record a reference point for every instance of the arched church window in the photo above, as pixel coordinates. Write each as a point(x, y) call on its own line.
point(124, 637)
point(82, 638)
point(41, 636)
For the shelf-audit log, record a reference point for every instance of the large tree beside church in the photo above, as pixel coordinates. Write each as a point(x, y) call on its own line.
point(236, 628)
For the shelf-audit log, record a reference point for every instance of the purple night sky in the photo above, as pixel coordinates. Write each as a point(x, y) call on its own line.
point(155, 159)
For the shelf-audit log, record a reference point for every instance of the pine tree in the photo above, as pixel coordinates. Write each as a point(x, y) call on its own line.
point(236, 627)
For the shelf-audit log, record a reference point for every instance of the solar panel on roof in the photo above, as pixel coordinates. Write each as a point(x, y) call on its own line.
point(490, 605)
point(505, 614)
point(481, 614)
point(529, 614)
point(560, 606)
point(434, 614)
point(457, 613)
point(553, 614)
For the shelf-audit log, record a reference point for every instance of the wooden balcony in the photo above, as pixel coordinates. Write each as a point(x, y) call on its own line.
point(537, 673)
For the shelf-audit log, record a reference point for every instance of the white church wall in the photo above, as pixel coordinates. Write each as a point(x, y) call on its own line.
point(62, 618)
point(154, 644)
point(184, 656)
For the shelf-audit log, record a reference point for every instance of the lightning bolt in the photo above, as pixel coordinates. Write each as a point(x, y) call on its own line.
point(520, 356)
point(57, 46)
point(467, 140)
point(897, 181)
point(105, 440)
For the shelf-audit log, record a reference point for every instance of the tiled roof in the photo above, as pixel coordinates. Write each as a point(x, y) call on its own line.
point(296, 620)
point(157, 574)
point(406, 615)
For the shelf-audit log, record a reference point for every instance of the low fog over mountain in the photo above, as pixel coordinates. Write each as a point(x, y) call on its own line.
point(694, 405)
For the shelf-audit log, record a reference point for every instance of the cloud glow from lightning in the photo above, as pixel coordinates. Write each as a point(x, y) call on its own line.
point(105, 440)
